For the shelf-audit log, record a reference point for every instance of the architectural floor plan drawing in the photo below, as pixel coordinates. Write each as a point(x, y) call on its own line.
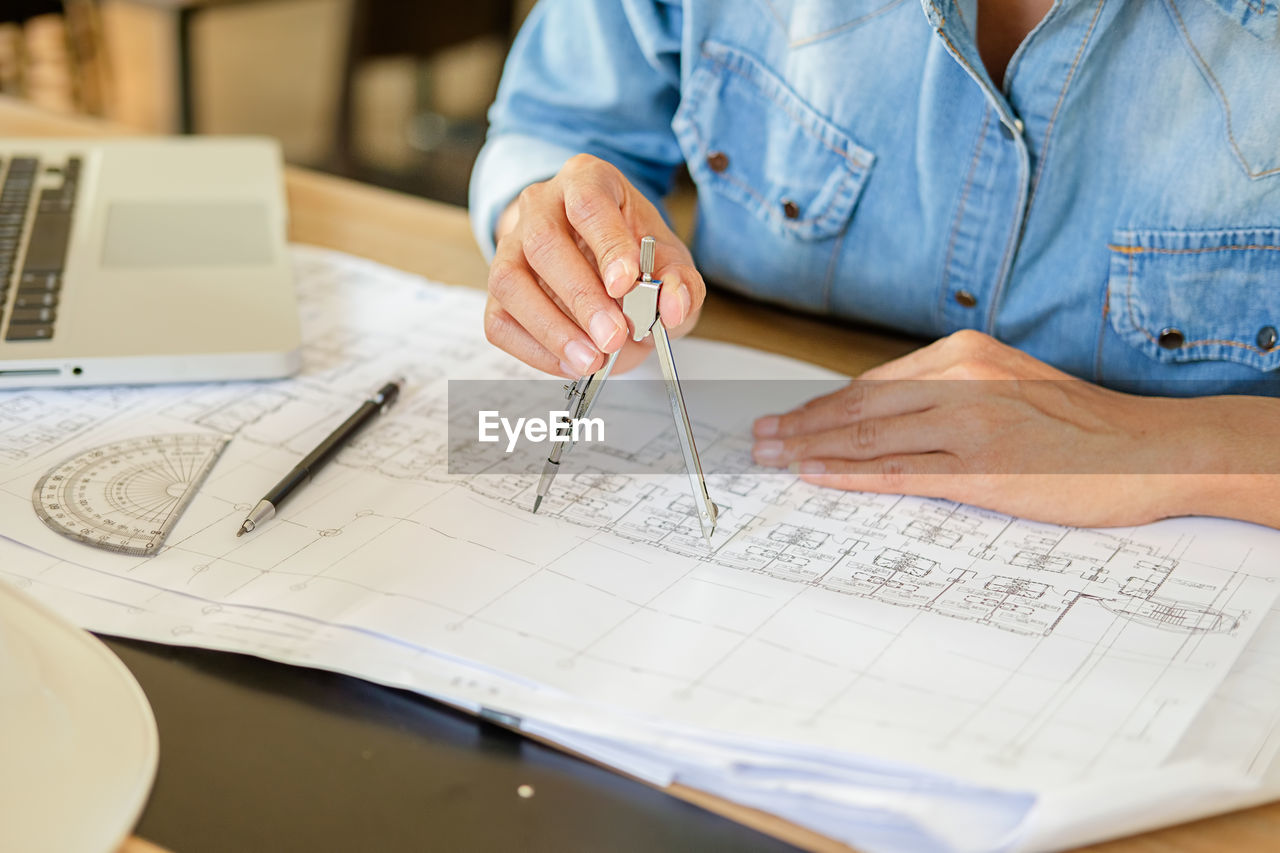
point(844, 625)
point(946, 558)
point(35, 423)
point(1237, 727)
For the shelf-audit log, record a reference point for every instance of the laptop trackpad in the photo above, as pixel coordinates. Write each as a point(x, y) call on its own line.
point(186, 234)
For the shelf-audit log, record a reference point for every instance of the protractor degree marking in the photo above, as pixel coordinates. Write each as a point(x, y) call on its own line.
point(126, 496)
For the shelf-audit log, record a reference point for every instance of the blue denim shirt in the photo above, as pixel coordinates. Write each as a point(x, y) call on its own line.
point(1113, 209)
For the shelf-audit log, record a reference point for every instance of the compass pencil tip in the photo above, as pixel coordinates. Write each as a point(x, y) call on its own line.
point(537, 502)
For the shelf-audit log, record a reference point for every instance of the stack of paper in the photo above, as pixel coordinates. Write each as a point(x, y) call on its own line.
point(897, 673)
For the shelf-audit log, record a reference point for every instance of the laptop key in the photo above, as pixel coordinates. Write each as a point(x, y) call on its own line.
point(42, 282)
point(29, 332)
point(15, 198)
point(35, 300)
point(34, 315)
point(47, 245)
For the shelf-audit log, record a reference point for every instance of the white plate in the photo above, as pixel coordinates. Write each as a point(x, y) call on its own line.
point(78, 745)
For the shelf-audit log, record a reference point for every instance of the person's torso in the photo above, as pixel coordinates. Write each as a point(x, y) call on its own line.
point(1114, 211)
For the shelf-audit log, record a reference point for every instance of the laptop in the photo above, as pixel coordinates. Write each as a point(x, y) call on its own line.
point(144, 260)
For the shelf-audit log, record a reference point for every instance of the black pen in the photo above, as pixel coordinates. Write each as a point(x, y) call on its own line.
point(316, 459)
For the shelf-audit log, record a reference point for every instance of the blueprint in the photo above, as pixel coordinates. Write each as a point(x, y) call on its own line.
point(831, 629)
point(1238, 730)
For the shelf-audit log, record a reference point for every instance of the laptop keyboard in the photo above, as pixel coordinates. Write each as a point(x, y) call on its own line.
point(15, 200)
point(34, 305)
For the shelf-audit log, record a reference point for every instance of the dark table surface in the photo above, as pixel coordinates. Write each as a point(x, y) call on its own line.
point(256, 755)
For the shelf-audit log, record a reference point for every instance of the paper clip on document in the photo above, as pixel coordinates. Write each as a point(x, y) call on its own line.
point(640, 306)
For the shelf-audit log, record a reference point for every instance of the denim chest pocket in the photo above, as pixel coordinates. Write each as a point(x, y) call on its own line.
point(1198, 296)
point(749, 137)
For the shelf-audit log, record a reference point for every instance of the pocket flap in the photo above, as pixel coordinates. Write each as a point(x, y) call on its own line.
point(1182, 296)
point(791, 166)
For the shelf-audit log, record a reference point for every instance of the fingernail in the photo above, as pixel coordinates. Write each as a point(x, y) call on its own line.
point(812, 466)
point(767, 451)
point(569, 369)
point(604, 329)
point(580, 356)
point(616, 277)
point(686, 302)
point(766, 427)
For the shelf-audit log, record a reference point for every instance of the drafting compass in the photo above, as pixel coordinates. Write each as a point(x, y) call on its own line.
point(640, 306)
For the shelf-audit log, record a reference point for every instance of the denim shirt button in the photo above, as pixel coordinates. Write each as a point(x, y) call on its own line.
point(1266, 337)
point(718, 161)
point(1171, 338)
point(966, 299)
point(790, 209)
point(1010, 132)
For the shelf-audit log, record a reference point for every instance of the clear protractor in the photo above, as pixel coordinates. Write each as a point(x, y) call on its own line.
point(127, 496)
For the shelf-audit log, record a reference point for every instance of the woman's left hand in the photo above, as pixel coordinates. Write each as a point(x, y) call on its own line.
point(1025, 439)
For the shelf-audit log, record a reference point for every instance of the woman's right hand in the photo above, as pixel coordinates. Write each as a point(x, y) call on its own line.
point(567, 251)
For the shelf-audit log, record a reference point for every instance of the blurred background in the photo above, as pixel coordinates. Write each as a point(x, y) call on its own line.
point(392, 92)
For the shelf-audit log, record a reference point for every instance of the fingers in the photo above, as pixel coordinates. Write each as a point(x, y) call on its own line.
point(611, 216)
point(856, 401)
point(930, 475)
point(571, 251)
point(513, 286)
point(553, 254)
point(869, 438)
point(505, 333)
point(595, 195)
point(683, 290)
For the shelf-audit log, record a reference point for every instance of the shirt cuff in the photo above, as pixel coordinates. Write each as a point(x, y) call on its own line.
point(507, 164)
